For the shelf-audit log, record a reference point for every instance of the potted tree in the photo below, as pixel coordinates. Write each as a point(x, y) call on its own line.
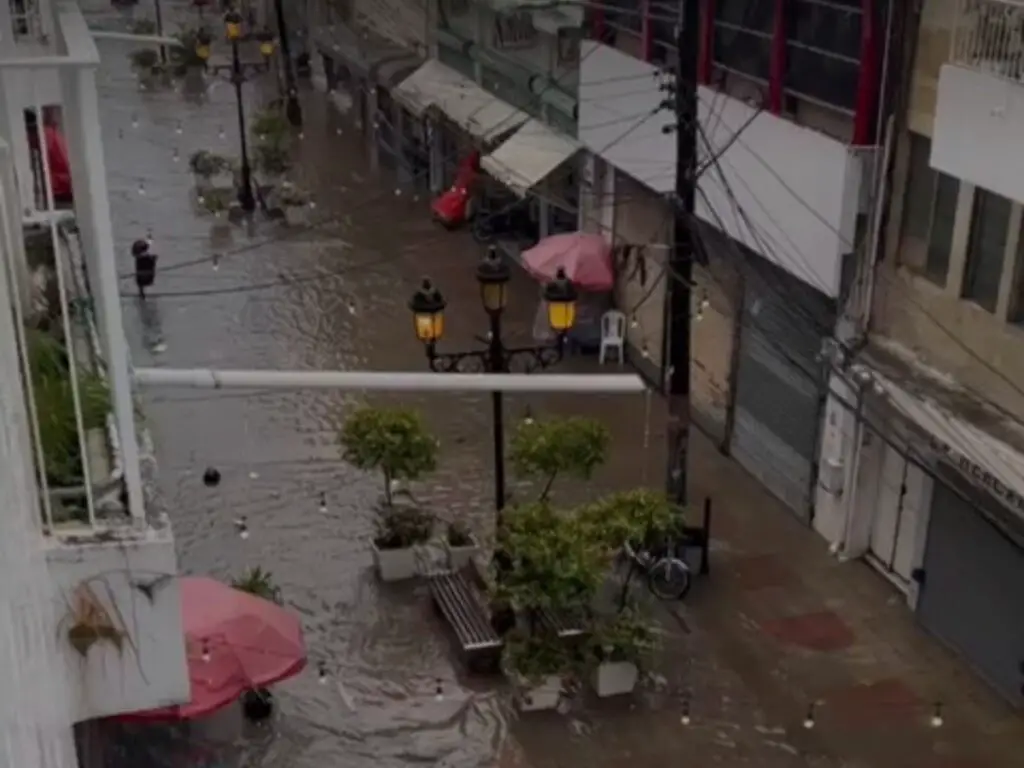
point(618, 648)
point(212, 174)
point(395, 442)
point(460, 545)
point(543, 450)
point(539, 665)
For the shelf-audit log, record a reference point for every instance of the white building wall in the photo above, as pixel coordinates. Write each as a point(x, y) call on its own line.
point(799, 189)
point(35, 719)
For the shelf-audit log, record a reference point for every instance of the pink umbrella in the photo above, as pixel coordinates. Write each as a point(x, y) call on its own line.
point(235, 642)
point(586, 259)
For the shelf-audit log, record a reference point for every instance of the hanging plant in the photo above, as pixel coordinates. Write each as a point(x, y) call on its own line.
point(90, 622)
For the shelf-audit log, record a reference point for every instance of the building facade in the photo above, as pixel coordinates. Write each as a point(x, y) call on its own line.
point(86, 523)
point(936, 462)
point(790, 104)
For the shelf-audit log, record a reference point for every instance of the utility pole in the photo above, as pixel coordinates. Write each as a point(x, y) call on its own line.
point(677, 321)
point(293, 110)
point(160, 29)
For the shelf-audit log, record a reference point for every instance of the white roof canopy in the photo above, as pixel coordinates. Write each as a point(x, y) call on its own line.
point(465, 103)
point(528, 156)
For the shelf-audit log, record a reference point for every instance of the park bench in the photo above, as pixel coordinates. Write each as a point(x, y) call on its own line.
point(462, 607)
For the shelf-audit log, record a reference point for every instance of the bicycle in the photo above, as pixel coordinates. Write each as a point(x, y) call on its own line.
point(668, 577)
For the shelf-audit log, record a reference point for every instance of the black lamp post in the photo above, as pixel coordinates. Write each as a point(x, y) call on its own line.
point(233, 22)
point(493, 274)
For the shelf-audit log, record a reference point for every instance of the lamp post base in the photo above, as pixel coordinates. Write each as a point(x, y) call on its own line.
point(293, 111)
point(246, 199)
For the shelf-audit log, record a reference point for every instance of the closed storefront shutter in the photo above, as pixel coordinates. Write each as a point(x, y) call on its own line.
point(973, 590)
point(779, 384)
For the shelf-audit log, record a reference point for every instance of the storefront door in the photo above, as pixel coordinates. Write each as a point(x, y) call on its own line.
point(779, 385)
point(973, 582)
point(897, 507)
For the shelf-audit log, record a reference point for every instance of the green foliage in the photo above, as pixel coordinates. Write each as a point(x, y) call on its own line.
point(143, 27)
point(628, 516)
point(206, 164)
point(260, 583)
point(627, 636)
point(554, 566)
point(184, 56)
point(144, 59)
point(272, 142)
point(392, 440)
point(544, 450)
point(403, 527)
point(459, 535)
point(55, 405)
point(535, 656)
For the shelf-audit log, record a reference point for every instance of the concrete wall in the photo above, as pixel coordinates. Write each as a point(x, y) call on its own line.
point(980, 349)
point(149, 669)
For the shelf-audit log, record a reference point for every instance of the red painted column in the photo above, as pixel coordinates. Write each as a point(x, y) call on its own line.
point(777, 71)
point(867, 82)
point(646, 30)
point(707, 41)
point(597, 23)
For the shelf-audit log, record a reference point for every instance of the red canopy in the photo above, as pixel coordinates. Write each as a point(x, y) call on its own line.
point(234, 642)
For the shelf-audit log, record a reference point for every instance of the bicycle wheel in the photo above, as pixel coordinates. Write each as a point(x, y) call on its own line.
point(669, 579)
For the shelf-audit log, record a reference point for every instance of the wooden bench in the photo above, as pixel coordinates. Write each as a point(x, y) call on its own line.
point(564, 626)
point(462, 607)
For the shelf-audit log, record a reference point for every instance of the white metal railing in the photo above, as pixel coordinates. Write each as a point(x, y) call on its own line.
point(26, 19)
point(989, 35)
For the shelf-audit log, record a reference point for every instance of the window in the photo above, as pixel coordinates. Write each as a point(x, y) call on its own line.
point(663, 17)
point(990, 224)
point(823, 39)
point(1017, 298)
point(928, 214)
point(743, 37)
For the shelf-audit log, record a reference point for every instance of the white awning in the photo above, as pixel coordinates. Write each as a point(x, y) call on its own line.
point(465, 103)
point(528, 156)
point(984, 458)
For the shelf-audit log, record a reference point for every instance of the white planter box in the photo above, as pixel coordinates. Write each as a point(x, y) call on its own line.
point(540, 696)
point(460, 557)
point(395, 564)
point(614, 678)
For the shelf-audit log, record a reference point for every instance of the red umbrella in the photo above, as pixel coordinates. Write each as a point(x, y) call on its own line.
point(235, 642)
point(586, 259)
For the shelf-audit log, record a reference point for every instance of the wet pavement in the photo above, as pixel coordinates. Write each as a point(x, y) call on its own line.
point(334, 297)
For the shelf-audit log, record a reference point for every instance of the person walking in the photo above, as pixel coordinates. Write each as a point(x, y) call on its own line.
point(145, 266)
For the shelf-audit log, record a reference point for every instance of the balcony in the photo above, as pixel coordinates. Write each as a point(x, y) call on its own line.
point(979, 112)
point(111, 562)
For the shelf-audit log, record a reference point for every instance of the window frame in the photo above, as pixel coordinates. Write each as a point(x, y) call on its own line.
point(935, 271)
point(977, 240)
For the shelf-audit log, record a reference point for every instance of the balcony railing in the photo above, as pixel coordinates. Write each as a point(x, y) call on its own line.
point(989, 35)
point(26, 20)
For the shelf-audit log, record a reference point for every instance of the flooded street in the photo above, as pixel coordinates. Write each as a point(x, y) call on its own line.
point(333, 296)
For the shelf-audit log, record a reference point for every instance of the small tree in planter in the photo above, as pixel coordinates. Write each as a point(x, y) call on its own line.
point(461, 545)
point(544, 450)
point(539, 664)
point(396, 443)
point(211, 170)
point(619, 647)
point(272, 143)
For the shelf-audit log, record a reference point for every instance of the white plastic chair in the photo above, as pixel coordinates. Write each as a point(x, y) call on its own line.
point(613, 335)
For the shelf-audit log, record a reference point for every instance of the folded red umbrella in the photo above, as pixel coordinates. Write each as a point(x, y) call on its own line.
point(235, 642)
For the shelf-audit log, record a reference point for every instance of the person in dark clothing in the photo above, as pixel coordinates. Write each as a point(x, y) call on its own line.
point(145, 266)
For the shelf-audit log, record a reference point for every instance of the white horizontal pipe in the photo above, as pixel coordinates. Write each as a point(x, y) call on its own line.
point(153, 39)
point(206, 378)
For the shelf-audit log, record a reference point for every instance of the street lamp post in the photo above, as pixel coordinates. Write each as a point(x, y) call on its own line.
point(493, 275)
point(233, 22)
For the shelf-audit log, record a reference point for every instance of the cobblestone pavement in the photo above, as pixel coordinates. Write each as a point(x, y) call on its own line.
point(778, 625)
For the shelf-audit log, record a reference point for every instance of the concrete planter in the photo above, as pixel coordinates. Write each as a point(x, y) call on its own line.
point(536, 696)
point(460, 557)
point(614, 678)
point(395, 564)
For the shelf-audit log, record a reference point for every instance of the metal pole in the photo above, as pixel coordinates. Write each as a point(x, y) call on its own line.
point(496, 364)
point(245, 195)
point(681, 259)
point(160, 29)
point(293, 109)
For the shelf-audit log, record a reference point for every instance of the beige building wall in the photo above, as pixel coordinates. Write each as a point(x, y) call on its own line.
point(717, 299)
point(982, 350)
